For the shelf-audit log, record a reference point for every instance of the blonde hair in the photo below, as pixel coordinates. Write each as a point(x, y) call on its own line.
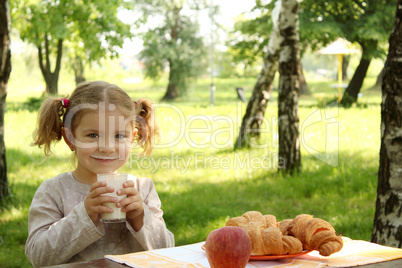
point(52, 115)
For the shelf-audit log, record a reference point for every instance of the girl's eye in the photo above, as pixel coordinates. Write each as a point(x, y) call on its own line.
point(120, 136)
point(93, 135)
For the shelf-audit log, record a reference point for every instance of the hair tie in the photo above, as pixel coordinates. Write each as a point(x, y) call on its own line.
point(64, 103)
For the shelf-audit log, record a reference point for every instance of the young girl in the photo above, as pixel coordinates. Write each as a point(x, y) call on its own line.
point(99, 122)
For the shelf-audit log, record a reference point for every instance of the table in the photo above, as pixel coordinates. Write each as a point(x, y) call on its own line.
point(105, 263)
point(354, 253)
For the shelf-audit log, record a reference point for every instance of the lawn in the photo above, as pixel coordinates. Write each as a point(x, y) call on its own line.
point(202, 181)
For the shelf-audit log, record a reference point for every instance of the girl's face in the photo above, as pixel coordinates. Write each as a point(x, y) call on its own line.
point(102, 140)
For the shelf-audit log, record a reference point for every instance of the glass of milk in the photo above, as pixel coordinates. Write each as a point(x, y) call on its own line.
point(116, 181)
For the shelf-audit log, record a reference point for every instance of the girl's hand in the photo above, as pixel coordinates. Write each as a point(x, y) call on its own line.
point(94, 200)
point(132, 205)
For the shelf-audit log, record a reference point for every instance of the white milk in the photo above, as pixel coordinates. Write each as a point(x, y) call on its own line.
point(116, 181)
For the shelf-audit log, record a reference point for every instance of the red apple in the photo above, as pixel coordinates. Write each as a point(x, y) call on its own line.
point(228, 247)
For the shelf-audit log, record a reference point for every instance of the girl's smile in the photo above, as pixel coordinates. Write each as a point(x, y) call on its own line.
point(104, 159)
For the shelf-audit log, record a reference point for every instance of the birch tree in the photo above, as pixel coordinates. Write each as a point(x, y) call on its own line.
point(387, 228)
point(288, 91)
point(254, 116)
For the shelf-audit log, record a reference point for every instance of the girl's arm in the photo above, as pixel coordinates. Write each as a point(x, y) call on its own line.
point(153, 234)
point(54, 238)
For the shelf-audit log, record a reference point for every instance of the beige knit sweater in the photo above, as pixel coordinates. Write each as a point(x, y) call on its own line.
point(60, 230)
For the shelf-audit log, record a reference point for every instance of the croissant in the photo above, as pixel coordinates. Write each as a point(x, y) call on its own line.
point(270, 221)
point(270, 241)
point(253, 230)
point(288, 236)
point(266, 237)
point(255, 216)
point(237, 221)
point(284, 225)
point(276, 243)
point(315, 234)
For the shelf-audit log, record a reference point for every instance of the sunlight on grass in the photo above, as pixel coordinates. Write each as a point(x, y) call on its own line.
point(13, 213)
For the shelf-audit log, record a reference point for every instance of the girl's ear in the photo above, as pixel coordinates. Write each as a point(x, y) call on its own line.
point(68, 138)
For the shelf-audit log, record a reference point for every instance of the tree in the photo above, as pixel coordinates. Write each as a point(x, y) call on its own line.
point(366, 22)
point(175, 44)
point(284, 37)
point(5, 70)
point(288, 91)
point(387, 228)
point(78, 67)
point(92, 26)
point(250, 39)
point(253, 118)
point(283, 49)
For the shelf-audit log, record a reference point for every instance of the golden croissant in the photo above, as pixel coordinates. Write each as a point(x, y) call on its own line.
point(266, 237)
point(315, 234)
point(290, 236)
point(253, 216)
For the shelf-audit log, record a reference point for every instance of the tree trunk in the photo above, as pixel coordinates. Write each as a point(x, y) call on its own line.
point(302, 81)
point(345, 64)
point(172, 91)
point(378, 82)
point(51, 78)
point(253, 118)
point(387, 229)
point(5, 70)
point(353, 89)
point(78, 68)
point(288, 92)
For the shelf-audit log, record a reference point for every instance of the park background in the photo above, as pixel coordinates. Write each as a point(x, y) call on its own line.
point(211, 189)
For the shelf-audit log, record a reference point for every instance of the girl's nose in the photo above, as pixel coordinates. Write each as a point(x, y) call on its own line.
point(106, 146)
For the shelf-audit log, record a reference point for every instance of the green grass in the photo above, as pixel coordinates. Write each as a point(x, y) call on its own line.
point(200, 179)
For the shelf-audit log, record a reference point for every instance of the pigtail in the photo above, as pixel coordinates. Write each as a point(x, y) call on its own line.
point(148, 129)
point(49, 126)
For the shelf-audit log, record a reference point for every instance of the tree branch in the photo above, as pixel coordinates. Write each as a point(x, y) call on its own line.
point(59, 55)
point(40, 59)
point(47, 54)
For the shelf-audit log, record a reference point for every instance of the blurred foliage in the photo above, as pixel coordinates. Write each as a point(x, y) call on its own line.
point(90, 28)
point(228, 68)
point(185, 55)
point(174, 42)
point(366, 22)
point(34, 103)
point(250, 37)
